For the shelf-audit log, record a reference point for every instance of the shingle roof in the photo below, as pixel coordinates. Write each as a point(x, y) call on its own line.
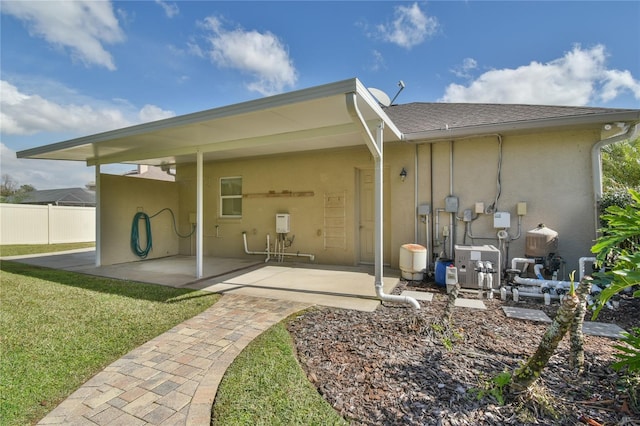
point(423, 117)
point(62, 197)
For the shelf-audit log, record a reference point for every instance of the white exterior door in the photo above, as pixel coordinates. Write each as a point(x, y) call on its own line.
point(366, 208)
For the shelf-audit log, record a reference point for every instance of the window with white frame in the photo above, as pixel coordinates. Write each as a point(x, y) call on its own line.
point(231, 196)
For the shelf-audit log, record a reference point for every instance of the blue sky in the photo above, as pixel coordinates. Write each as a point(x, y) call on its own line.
point(74, 68)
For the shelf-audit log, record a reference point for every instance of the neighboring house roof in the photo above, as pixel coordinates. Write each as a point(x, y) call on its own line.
point(59, 197)
point(421, 120)
point(151, 172)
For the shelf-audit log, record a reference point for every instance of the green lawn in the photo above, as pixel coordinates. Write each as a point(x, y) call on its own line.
point(58, 329)
point(265, 385)
point(21, 249)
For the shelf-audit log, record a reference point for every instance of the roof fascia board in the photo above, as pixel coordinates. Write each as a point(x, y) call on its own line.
point(364, 93)
point(546, 123)
point(134, 155)
point(336, 88)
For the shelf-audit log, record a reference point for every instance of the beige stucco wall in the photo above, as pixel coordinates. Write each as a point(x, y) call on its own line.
point(551, 172)
point(121, 198)
point(327, 173)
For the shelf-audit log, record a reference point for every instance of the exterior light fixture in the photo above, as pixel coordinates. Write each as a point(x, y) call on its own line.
point(403, 174)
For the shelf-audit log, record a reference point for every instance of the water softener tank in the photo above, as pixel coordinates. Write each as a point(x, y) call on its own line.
point(541, 241)
point(413, 261)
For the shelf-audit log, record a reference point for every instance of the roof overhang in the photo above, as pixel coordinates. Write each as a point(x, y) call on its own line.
point(308, 119)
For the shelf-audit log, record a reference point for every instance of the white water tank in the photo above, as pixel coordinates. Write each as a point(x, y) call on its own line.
point(413, 261)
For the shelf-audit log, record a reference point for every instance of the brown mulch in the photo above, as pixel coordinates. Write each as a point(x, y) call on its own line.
point(397, 365)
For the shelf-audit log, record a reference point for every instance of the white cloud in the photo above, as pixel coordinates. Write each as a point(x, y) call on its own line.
point(81, 26)
point(170, 9)
point(261, 55)
point(616, 82)
point(410, 27)
point(464, 70)
point(27, 114)
point(153, 113)
point(45, 174)
point(577, 78)
point(378, 62)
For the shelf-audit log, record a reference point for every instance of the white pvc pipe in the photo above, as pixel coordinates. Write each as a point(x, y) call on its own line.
point(489, 279)
point(541, 283)
point(537, 269)
point(516, 260)
point(581, 264)
point(268, 253)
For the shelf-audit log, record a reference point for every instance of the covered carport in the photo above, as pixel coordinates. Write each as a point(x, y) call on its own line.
point(335, 115)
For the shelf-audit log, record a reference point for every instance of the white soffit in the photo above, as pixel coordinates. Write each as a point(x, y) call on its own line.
point(308, 119)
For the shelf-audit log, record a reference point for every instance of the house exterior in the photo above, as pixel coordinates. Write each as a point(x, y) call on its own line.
point(354, 180)
point(78, 197)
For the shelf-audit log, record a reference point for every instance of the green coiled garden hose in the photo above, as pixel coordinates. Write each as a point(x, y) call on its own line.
point(135, 232)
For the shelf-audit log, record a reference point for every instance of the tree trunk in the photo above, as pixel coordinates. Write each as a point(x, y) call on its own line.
point(576, 354)
point(528, 373)
point(451, 303)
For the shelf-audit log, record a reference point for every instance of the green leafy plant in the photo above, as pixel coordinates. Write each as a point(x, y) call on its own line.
point(629, 355)
point(496, 387)
point(618, 250)
point(572, 288)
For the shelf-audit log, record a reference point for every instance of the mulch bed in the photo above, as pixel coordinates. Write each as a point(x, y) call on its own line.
point(397, 365)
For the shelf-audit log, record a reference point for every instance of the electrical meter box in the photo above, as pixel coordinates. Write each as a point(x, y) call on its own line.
point(283, 223)
point(466, 259)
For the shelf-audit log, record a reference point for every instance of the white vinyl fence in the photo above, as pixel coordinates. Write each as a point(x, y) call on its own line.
point(31, 224)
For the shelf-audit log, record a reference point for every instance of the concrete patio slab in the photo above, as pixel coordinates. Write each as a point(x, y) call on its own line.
point(326, 285)
point(418, 295)
point(470, 303)
point(602, 329)
point(525, 314)
point(347, 288)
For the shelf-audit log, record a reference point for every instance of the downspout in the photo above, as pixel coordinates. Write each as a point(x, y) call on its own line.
point(415, 195)
point(375, 147)
point(596, 166)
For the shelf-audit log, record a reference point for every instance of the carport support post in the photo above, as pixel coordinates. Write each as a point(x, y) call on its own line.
point(199, 215)
point(98, 224)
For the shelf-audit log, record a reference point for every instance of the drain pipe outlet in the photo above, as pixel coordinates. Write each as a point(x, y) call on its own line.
point(374, 144)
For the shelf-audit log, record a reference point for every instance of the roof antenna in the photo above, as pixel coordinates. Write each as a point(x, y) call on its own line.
point(401, 85)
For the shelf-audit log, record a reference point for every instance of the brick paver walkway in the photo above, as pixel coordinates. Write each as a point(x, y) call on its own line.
point(173, 379)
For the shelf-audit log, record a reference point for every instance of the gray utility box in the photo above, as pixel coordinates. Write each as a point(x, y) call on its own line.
point(466, 258)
